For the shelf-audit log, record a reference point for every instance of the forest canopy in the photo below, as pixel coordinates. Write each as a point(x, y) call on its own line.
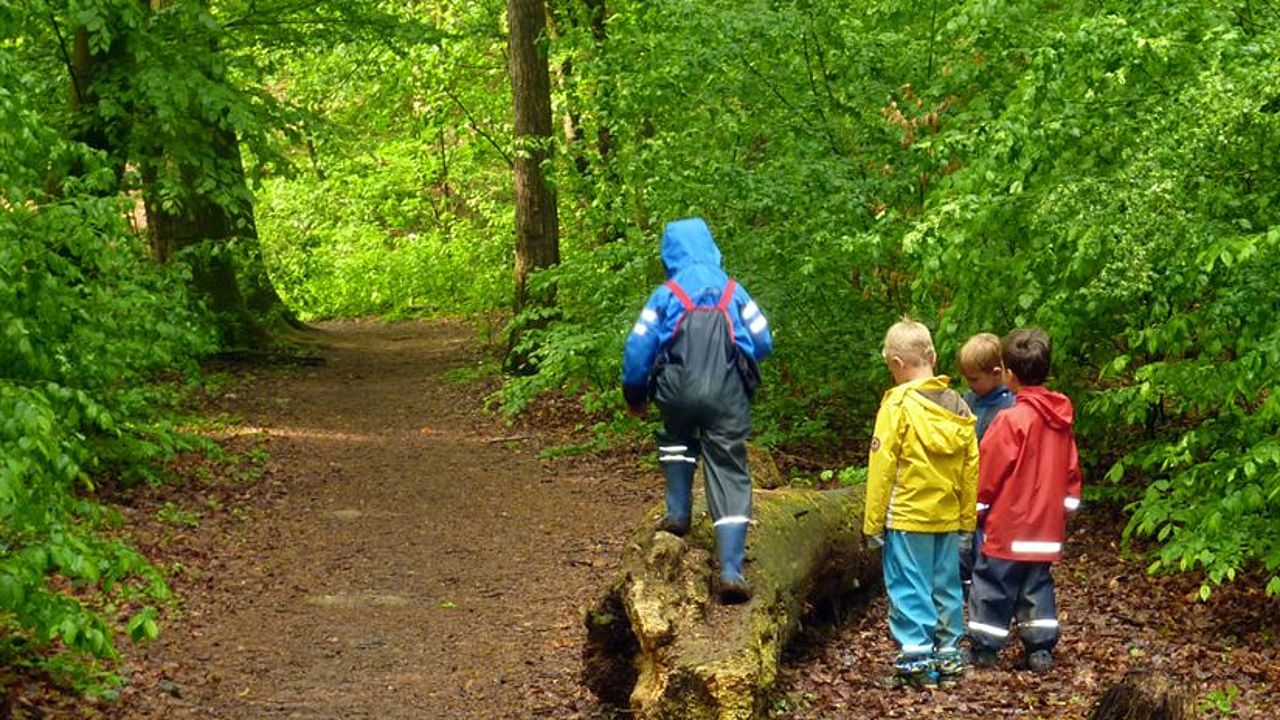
point(183, 177)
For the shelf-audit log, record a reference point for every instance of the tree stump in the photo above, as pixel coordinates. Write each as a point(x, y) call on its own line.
point(1143, 695)
point(661, 645)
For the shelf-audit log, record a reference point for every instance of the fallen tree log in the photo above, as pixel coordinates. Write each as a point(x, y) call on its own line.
point(660, 645)
point(1143, 695)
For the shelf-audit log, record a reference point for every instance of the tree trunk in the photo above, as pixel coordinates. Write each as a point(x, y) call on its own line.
point(660, 645)
point(537, 225)
point(216, 277)
point(1143, 695)
point(241, 295)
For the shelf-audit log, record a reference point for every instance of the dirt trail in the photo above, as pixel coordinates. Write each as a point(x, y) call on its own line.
point(403, 557)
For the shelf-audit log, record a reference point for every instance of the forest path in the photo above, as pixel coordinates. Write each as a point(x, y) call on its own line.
point(404, 556)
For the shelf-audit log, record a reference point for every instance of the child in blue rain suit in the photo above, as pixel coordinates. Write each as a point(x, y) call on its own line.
point(694, 351)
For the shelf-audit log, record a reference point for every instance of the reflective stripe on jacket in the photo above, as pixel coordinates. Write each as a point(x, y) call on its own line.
point(923, 471)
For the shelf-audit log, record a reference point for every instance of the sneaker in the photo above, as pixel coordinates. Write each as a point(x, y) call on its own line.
point(921, 680)
point(1039, 661)
point(983, 657)
point(950, 669)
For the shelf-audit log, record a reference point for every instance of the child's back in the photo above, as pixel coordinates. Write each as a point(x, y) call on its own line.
point(1029, 480)
point(921, 487)
point(1029, 462)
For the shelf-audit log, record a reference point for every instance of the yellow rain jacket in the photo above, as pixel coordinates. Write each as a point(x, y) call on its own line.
point(923, 472)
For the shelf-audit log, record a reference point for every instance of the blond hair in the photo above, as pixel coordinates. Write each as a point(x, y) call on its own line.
point(911, 341)
point(980, 353)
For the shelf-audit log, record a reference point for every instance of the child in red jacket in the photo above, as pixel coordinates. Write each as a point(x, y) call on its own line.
point(1029, 479)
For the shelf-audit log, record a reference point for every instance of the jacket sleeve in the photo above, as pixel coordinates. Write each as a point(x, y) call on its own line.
point(882, 467)
point(997, 458)
point(641, 350)
point(1074, 481)
point(969, 487)
point(755, 325)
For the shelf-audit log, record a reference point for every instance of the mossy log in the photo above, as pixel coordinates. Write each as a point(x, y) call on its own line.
point(1143, 695)
point(660, 644)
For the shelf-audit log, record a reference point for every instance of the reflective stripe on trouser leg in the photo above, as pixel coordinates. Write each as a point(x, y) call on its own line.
point(996, 583)
point(677, 456)
point(1037, 609)
point(908, 561)
point(948, 597)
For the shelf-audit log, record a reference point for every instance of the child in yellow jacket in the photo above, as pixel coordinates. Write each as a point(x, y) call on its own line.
point(922, 483)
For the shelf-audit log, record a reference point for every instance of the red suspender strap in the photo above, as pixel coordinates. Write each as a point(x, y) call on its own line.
point(726, 295)
point(680, 294)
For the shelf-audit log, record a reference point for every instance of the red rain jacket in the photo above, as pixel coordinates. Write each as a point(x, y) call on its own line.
point(1028, 477)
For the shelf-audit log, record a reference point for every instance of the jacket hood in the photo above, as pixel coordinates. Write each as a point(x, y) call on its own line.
point(686, 243)
point(939, 416)
point(1054, 407)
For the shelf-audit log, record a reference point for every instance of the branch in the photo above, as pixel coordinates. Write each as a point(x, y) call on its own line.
point(66, 58)
point(476, 126)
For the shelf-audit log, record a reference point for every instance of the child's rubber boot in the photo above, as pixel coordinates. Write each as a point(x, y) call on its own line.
point(1037, 661)
point(731, 539)
point(679, 497)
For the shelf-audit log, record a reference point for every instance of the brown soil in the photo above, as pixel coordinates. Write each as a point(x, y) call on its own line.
point(402, 556)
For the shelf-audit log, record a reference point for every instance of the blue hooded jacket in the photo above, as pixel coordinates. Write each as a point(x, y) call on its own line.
point(691, 258)
point(987, 406)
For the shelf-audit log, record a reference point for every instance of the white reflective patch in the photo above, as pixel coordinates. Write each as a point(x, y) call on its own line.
point(991, 630)
point(917, 649)
point(983, 506)
point(677, 458)
point(1071, 503)
point(732, 520)
point(1035, 548)
point(1046, 623)
point(758, 325)
point(750, 311)
point(673, 448)
point(649, 316)
point(640, 329)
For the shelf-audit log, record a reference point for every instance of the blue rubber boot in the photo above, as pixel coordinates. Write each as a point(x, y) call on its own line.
point(731, 539)
point(679, 497)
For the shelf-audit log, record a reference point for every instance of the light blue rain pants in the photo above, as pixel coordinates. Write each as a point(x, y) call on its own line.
point(926, 602)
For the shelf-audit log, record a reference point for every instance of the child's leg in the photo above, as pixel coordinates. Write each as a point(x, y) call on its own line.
point(948, 597)
point(996, 584)
point(967, 561)
point(908, 563)
point(1037, 610)
point(678, 451)
point(724, 447)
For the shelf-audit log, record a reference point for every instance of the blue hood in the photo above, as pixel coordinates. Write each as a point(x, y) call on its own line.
point(686, 243)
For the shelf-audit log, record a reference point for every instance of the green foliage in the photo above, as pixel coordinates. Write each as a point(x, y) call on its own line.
point(406, 204)
point(87, 320)
point(1105, 171)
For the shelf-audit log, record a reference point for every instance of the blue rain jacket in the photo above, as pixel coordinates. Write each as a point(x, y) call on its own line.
point(691, 258)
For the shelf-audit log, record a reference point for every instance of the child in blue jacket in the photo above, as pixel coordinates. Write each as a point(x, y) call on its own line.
point(981, 366)
point(694, 350)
